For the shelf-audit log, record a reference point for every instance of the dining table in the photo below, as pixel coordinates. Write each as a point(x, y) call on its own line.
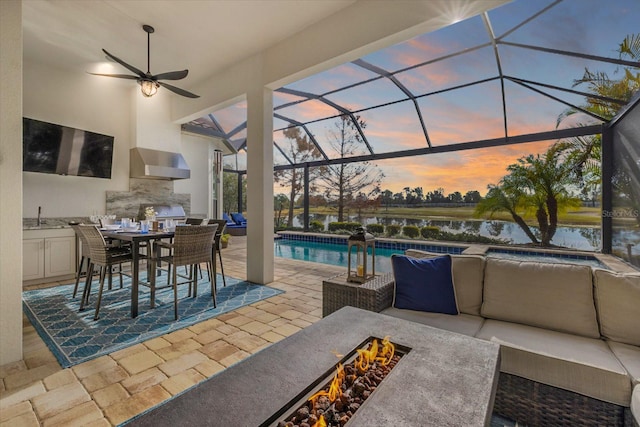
point(136, 238)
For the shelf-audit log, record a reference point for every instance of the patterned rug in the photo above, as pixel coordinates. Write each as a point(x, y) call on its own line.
point(74, 337)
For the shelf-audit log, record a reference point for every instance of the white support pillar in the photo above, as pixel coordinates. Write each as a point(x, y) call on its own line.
point(260, 185)
point(11, 182)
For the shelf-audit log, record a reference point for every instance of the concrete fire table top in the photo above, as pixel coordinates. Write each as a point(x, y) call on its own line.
point(446, 379)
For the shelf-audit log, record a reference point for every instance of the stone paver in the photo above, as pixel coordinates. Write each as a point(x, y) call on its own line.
point(25, 420)
point(78, 416)
point(126, 409)
point(184, 380)
point(209, 368)
point(182, 363)
point(143, 380)
point(23, 378)
point(11, 398)
point(256, 328)
point(59, 379)
point(104, 378)
point(107, 396)
point(140, 361)
point(208, 336)
point(60, 399)
point(178, 349)
point(15, 411)
point(91, 367)
point(286, 329)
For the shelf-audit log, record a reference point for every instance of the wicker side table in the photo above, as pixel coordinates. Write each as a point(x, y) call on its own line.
point(373, 295)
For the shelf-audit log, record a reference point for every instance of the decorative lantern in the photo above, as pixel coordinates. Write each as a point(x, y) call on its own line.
point(361, 241)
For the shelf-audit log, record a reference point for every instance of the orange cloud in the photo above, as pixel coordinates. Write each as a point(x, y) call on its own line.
point(455, 171)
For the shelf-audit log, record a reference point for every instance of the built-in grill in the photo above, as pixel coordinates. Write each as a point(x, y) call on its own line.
point(175, 212)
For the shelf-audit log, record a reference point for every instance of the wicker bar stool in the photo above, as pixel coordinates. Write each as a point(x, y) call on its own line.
point(104, 256)
point(191, 246)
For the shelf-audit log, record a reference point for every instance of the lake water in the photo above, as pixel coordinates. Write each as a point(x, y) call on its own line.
point(581, 238)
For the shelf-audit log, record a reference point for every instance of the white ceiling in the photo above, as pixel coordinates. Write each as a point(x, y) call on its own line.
point(204, 36)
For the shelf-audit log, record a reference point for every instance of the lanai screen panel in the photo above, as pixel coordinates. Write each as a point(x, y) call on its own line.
point(626, 187)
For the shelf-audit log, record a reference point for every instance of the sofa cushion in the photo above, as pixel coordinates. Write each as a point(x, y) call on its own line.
point(424, 284)
point(552, 296)
point(578, 364)
point(468, 271)
point(618, 300)
point(629, 356)
point(463, 323)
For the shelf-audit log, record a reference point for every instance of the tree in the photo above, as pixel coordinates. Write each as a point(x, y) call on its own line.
point(472, 196)
point(537, 185)
point(342, 182)
point(280, 201)
point(499, 199)
point(386, 198)
point(230, 191)
point(455, 197)
point(436, 196)
point(298, 149)
point(584, 153)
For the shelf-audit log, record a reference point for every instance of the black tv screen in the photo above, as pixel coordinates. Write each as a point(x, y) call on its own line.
point(52, 148)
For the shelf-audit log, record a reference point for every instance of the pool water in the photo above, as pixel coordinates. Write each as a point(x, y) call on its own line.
point(336, 254)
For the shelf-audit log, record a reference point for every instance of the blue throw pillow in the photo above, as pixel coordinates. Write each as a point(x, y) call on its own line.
point(424, 284)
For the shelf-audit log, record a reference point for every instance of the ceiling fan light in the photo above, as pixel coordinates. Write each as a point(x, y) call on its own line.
point(149, 88)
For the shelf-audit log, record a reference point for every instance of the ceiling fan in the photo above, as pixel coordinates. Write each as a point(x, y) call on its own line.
point(150, 83)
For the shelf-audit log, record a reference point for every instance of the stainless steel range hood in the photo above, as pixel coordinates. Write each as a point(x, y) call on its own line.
point(155, 164)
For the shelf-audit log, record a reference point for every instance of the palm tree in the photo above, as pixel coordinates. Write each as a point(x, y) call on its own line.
point(499, 199)
point(584, 153)
point(536, 185)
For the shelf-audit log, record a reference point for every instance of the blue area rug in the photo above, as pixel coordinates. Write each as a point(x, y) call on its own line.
point(74, 337)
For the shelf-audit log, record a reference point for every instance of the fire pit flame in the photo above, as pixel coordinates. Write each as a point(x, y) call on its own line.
point(380, 353)
point(335, 390)
point(373, 354)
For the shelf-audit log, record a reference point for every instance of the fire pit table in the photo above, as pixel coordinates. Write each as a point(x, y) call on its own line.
point(443, 379)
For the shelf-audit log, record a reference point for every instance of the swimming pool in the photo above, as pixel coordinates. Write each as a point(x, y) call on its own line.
point(333, 251)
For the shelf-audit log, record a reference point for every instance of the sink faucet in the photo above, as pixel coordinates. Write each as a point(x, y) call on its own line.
point(39, 213)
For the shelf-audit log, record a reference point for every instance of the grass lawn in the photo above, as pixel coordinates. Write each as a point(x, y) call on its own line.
point(581, 216)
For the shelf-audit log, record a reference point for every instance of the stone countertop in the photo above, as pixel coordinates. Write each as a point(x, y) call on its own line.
point(51, 223)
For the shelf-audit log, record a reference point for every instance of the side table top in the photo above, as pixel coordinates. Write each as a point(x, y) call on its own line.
point(375, 283)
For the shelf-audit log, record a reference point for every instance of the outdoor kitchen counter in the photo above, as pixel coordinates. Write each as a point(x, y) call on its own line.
point(446, 379)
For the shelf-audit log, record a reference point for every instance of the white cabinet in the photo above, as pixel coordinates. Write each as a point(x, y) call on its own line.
point(48, 254)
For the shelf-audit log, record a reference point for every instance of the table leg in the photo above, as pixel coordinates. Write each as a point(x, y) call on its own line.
point(134, 282)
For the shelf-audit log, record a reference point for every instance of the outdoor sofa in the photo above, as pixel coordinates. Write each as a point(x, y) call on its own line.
point(236, 224)
point(569, 335)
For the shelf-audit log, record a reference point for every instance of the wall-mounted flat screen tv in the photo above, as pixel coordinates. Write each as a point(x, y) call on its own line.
point(52, 148)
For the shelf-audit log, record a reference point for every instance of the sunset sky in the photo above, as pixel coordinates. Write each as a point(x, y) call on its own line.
point(468, 114)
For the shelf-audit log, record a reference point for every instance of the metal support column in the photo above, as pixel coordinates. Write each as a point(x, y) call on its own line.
point(306, 197)
point(240, 192)
point(607, 190)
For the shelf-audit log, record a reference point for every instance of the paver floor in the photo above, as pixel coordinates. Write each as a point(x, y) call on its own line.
point(112, 389)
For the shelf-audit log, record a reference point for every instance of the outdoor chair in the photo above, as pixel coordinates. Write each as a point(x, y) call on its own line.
point(196, 221)
point(221, 223)
point(191, 246)
point(102, 255)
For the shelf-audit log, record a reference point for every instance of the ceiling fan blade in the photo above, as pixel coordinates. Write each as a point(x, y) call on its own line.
point(125, 65)
point(171, 75)
point(120, 76)
point(178, 90)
